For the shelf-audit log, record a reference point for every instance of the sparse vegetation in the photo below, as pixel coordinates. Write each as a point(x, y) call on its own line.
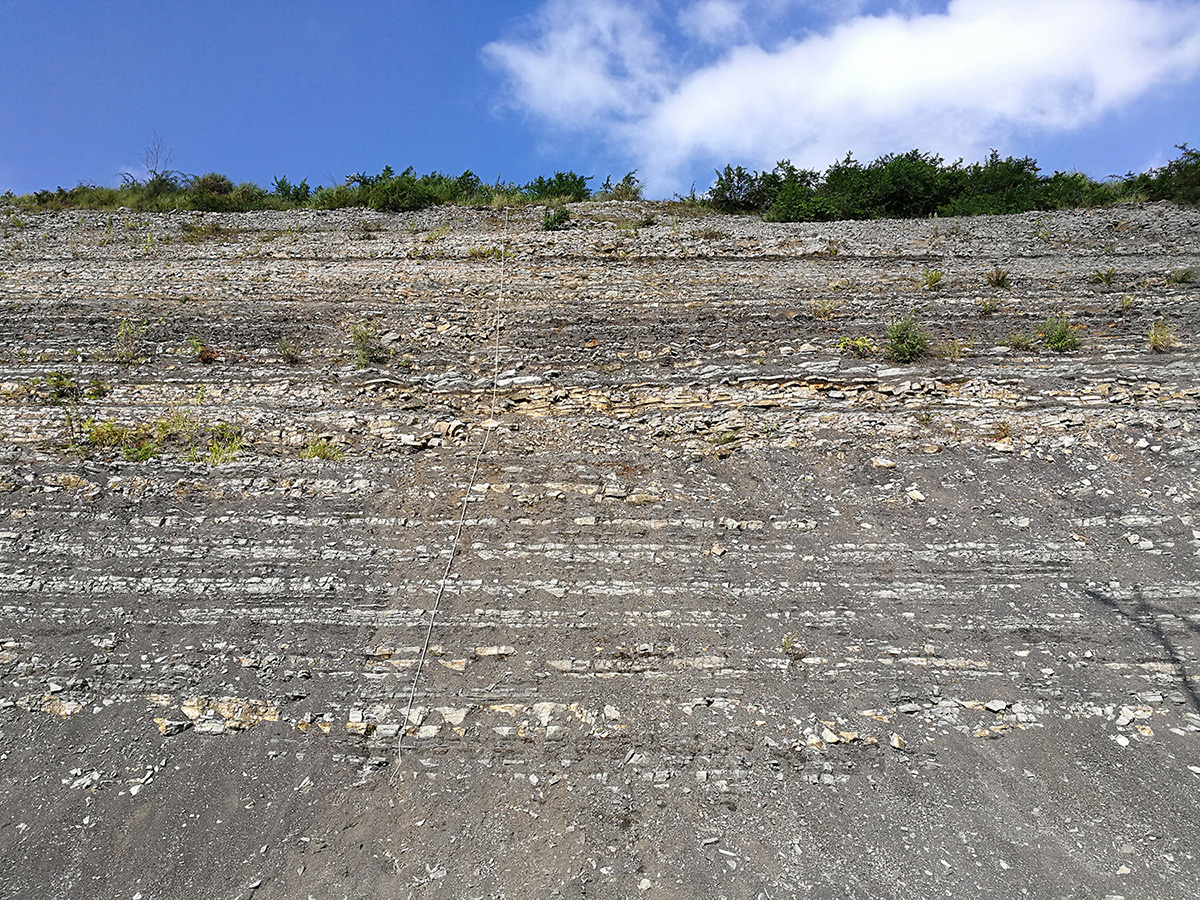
point(823, 309)
point(1127, 303)
point(198, 233)
point(906, 342)
point(556, 219)
point(1161, 336)
point(932, 279)
point(481, 252)
point(987, 305)
point(364, 339)
point(127, 348)
point(320, 448)
point(1181, 276)
point(628, 188)
point(201, 350)
point(1019, 340)
point(953, 349)
point(289, 350)
point(998, 278)
point(1104, 276)
point(1058, 335)
point(857, 346)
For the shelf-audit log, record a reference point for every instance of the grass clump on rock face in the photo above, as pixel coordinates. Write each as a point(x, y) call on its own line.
point(556, 219)
point(1057, 333)
point(322, 449)
point(1161, 336)
point(364, 338)
point(906, 342)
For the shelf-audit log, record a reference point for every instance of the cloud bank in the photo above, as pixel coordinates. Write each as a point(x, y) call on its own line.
point(715, 81)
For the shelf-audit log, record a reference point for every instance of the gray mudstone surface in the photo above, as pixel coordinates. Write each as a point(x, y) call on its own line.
point(734, 613)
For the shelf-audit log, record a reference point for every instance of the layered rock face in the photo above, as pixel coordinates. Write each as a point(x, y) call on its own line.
point(437, 555)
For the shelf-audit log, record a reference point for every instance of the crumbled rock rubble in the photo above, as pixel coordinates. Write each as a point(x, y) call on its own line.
point(734, 613)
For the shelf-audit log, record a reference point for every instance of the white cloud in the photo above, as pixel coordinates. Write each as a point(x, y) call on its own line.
point(713, 21)
point(951, 82)
point(587, 64)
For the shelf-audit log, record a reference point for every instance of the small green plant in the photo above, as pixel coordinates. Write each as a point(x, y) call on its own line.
point(1127, 303)
point(556, 219)
point(127, 348)
point(364, 338)
point(1019, 340)
point(628, 188)
point(953, 349)
point(289, 350)
point(224, 444)
point(366, 231)
point(857, 346)
point(788, 645)
point(321, 449)
point(437, 233)
point(201, 350)
point(1181, 276)
point(932, 279)
point(1003, 431)
point(998, 278)
point(987, 305)
point(193, 233)
point(481, 252)
point(1161, 336)
point(1104, 276)
point(1057, 333)
point(833, 248)
point(61, 388)
point(906, 342)
point(823, 309)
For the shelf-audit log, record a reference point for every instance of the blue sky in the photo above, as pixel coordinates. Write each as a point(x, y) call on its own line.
point(673, 88)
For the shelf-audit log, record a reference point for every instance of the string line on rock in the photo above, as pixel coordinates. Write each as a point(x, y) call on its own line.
point(489, 425)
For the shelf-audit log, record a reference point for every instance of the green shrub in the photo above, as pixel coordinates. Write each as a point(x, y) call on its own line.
point(628, 188)
point(556, 219)
point(1178, 180)
point(906, 342)
point(292, 194)
point(127, 348)
point(364, 338)
point(212, 183)
point(800, 203)
point(563, 186)
point(1057, 333)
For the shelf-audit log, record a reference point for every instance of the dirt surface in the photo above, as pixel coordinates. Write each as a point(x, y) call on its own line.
point(735, 613)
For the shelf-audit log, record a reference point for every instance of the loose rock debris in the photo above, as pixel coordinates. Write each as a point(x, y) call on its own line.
point(734, 613)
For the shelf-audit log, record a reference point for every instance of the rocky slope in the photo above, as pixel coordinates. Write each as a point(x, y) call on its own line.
point(735, 612)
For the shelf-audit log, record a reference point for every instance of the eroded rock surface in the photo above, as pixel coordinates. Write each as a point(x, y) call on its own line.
point(734, 612)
